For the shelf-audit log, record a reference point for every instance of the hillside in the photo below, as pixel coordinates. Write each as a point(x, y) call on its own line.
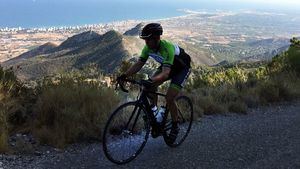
point(107, 51)
point(43, 49)
point(135, 31)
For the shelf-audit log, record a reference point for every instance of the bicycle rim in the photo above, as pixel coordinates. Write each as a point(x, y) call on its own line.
point(185, 117)
point(126, 133)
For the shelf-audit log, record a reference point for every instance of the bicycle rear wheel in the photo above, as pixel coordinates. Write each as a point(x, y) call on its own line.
point(126, 133)
point(185, 117)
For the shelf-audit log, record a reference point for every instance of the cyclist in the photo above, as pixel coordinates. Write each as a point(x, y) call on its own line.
point(175, 66)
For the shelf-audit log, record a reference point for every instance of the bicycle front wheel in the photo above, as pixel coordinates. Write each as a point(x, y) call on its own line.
point(126, 133)
point(185, 118)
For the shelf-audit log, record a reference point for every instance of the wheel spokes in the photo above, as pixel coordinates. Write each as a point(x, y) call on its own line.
point(126, 133)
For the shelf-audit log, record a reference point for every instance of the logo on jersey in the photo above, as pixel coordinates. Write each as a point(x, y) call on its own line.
point(157, 57)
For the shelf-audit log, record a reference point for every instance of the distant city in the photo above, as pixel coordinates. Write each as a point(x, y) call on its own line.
point(113, 25)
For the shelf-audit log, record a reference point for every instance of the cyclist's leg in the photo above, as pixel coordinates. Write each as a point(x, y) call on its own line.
point(154, 97)
point(178, 79)
point(170, 98)
point(177, 83)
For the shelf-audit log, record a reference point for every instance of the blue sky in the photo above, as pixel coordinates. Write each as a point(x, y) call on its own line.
point(29, 13)
point(293, 4)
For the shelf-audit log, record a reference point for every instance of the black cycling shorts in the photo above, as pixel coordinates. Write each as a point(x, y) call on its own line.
point(178, 77)
point(180, 70)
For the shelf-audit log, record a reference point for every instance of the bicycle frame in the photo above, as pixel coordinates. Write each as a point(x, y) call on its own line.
point(144, 102)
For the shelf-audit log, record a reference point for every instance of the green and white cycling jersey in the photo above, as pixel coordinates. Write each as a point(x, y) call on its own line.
point(168, 54)
point(172, 56)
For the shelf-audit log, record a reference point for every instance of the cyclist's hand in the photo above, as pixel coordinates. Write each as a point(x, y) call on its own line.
point(147, 83)
point(120, 82)
point(121, 78)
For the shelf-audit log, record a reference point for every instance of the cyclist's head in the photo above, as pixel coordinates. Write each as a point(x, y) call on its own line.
point(151, 34)
point(151, 30)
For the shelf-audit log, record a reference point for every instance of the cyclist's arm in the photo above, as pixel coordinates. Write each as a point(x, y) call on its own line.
point(140, 63)
point(135, 68)
point(163, 76)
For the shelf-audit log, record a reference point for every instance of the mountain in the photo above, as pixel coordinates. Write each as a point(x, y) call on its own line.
point(107, 51)
point(270, 48)
point(222, 63)
point(43, 49)
point(135, 31)
point(78, 51)
point(80, 40)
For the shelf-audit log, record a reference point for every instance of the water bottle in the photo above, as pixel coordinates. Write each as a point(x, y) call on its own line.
point(160, 114)
point(154, 110)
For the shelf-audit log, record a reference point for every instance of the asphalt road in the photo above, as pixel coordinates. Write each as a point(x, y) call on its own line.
point(267, 137)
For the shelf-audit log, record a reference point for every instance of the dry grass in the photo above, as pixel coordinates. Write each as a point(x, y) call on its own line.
point(284, 86)
point(71, 111)
point(8, 92)
point(3, 131)
point(235, 89)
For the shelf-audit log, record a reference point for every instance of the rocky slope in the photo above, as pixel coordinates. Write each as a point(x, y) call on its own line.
point(107, 51)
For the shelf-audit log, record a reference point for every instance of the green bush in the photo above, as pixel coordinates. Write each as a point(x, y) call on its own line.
point(294, 58)
point(295, 41)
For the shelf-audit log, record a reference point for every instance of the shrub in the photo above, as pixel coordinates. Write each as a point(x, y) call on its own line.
point(250, 97)
point(209, 105)
point(198, 110)
point(225, 94)
point(10, 104)
point(237, 107)
point(268, 92)
point(3, 131)
point(294, 58)
point(72, 110)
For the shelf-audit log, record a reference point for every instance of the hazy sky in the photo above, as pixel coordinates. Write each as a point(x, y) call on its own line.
point(275, 2)
point(30, 13)
point(272, 1)
point(254, 1)
point(290, 3)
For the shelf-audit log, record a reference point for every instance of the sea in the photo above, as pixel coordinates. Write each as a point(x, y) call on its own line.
point(56, 13)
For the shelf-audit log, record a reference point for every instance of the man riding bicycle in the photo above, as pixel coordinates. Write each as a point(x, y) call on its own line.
point(175, 66)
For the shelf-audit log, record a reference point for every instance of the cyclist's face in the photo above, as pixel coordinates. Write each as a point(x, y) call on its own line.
point(152, 43)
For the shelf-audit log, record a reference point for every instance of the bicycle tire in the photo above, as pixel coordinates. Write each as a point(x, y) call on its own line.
point(115, 127)
point(185, 121)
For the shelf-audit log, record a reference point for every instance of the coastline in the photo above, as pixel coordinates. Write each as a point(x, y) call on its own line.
point(100, 24)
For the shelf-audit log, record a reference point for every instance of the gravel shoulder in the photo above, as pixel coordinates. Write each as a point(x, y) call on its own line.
point(267, 137)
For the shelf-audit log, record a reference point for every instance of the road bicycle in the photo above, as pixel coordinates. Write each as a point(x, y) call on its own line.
point(129, 126)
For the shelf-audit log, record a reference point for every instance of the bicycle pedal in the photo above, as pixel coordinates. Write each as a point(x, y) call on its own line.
point(155, 133)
